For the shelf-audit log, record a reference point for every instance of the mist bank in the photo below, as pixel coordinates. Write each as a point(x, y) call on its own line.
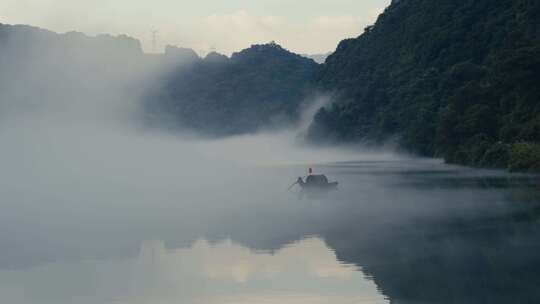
point(71, 76)
point(87, 178)
point(72, 93)
point(433, 80)
point(261, 87)
point(455, 79)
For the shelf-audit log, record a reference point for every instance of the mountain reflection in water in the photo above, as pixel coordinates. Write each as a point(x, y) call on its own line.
point(414, 231)
point(223, 272)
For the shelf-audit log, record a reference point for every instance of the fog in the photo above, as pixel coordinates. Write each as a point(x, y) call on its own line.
point(72, 128)
point(77, 157)
point(86, 186)
point(74, 143)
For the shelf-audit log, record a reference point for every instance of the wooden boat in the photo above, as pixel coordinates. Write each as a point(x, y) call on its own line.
point(316, 183)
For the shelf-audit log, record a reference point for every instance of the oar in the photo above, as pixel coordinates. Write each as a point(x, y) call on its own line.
point(292, 186)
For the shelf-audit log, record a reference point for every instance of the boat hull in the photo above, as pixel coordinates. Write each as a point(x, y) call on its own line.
point(320, 187)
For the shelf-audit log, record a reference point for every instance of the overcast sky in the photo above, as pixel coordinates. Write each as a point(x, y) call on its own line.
point(303, 26)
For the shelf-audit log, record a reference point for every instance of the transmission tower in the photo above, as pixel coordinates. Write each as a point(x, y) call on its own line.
point(154, 40)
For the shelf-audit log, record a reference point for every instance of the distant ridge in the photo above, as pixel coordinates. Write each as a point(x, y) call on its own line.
point(259, 87)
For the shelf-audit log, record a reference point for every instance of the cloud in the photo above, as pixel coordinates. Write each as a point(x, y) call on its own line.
point(323, 33)
point(242, 20)
point(338, 23)
point(229, 260)
point(237, 30)
point(224, 272)
point(303, 28)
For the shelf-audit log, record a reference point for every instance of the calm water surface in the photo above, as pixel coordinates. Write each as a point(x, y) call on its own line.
point(396, 232)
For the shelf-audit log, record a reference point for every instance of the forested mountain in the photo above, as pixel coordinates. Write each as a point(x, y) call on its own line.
point(458, 79)
point(42, 70)
point(261, 86)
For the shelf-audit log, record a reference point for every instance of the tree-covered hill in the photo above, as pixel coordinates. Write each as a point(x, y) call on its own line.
point(41, 70)
point(459, 79)
point(261, 86)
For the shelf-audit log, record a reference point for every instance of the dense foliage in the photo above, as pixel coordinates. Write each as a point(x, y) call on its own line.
point(261, 86)
point(255, 88)
point(458, 79)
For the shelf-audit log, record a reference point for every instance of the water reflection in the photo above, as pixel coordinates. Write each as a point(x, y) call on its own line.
point(419, 231)
point(224, 272)
point(458, 236)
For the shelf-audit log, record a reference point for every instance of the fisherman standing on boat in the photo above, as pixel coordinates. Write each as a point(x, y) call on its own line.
point(301, 182)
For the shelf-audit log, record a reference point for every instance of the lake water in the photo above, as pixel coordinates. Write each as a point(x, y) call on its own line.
point(414, 231)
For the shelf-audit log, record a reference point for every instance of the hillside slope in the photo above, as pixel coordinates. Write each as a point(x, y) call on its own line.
point(457, 79)
point(44, 71)
point(261, 86)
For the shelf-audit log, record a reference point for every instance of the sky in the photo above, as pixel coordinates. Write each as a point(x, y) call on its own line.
point(226, 26)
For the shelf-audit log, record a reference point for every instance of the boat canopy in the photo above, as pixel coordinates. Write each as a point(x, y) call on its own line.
point(317, 180)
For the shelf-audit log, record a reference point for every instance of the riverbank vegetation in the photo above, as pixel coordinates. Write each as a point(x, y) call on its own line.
point(457, 79)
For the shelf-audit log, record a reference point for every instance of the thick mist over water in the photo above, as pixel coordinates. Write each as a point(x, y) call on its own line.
point(99, 208)
point(76, 153)
point(72, 128)
point(79, 165)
